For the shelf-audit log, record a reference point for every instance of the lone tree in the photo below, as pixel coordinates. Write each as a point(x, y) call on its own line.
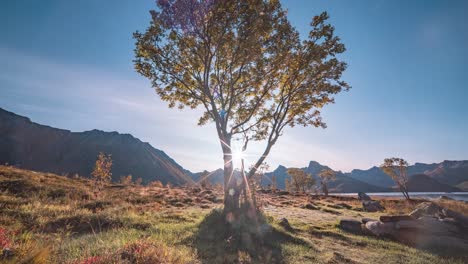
point(102, 171)
point(245, 65)
point(397, 168)
point(300, 180)
point(326, 176)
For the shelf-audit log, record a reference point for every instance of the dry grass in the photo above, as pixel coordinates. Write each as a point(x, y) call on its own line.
point(52, 219)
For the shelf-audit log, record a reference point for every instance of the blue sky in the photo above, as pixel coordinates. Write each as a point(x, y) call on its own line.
point(68, 64)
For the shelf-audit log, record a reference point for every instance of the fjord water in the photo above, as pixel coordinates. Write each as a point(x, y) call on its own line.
point(462, 196)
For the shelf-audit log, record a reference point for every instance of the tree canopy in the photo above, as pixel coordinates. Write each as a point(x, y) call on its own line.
point(244, 64)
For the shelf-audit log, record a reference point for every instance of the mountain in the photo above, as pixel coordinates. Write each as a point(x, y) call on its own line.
point(450, 172)
point(343, 182)
point(215, 177)
point(463, 186)
point(447, 172)
point(37, 147)
point(424, 183)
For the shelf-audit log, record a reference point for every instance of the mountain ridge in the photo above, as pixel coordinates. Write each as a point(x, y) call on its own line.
point(44, 148)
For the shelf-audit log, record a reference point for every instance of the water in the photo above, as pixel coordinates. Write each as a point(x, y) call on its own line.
point(462, 196)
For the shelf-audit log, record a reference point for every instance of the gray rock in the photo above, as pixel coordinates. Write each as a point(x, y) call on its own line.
point(7, 253)
point(363, 197)
point(310, 206)
point(365, 220)
point(378, 228)
point(426, 208)
point(372, 206)
point(351, 225)
point(459, 218)
point(396, 218)
point(285, 224)
point(443, 197)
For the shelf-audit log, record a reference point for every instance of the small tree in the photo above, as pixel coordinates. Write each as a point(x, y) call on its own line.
point(138, 181)
point(274, 184)
point(300, 180)
point(102, 171)
point(126, 180)
point(287, 185)
point(397, 168)
point(204, 180)
point(326, 175)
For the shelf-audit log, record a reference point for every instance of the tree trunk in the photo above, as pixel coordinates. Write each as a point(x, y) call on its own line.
point(325, 188)
point(231, 190)
point(404, 191)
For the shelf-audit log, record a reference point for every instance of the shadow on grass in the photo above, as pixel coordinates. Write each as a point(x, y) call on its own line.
point(245, 241)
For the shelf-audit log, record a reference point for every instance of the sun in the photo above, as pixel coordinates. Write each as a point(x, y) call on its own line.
point(237, 156)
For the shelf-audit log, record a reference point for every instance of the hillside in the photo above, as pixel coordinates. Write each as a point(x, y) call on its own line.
point(463, 186)
point(33, 146)
point(424, 183)
point(47, 218)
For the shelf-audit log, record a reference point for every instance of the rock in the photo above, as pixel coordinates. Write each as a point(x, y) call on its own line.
point(378, 228)
point(351, 225)
point(443, 197)
point(459, 218)
point(7, 253)
point(435, 226)
point(344, 205)
point(395, 218)
point(408, 224)
point(426, 208)
point(372, 206)
point(310, 206)
point(365, 220)
point(285, 224)
point(363, 197)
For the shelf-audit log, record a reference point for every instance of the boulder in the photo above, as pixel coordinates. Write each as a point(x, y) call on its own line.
point(363, 197)
point(372, 206)
point(459, 218)
point(7, 253)
point(344, 205)
point(395, 218)
point(310, 206)
point(426, 208)
point(285, 224)
point(378, 228)
point(365, 220)
point(351, 225)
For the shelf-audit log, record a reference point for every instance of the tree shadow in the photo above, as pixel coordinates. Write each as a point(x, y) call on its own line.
point(245, 241)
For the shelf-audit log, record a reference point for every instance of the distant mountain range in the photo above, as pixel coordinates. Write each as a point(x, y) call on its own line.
point(447, 176)
point(37, 147)
point(43, 148)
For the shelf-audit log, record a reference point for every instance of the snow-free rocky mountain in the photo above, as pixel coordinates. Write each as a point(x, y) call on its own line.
point(37, 147)
point(42, 148)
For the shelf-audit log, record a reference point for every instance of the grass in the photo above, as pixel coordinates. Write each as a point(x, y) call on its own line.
point(45, 218)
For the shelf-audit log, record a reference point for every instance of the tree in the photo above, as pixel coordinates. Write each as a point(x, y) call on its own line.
point(138, 181)
point(204, 180)
point(326, 176)
point(397, 168)
point(300, 180)
point(287, 185)
point(126, 180)
point(102, 171)
point(274, 184)
point(245, 65)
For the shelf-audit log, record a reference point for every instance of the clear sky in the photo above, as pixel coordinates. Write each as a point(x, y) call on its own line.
point(68, 64)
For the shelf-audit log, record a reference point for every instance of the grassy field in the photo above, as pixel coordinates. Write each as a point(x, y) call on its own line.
point(45, 218)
